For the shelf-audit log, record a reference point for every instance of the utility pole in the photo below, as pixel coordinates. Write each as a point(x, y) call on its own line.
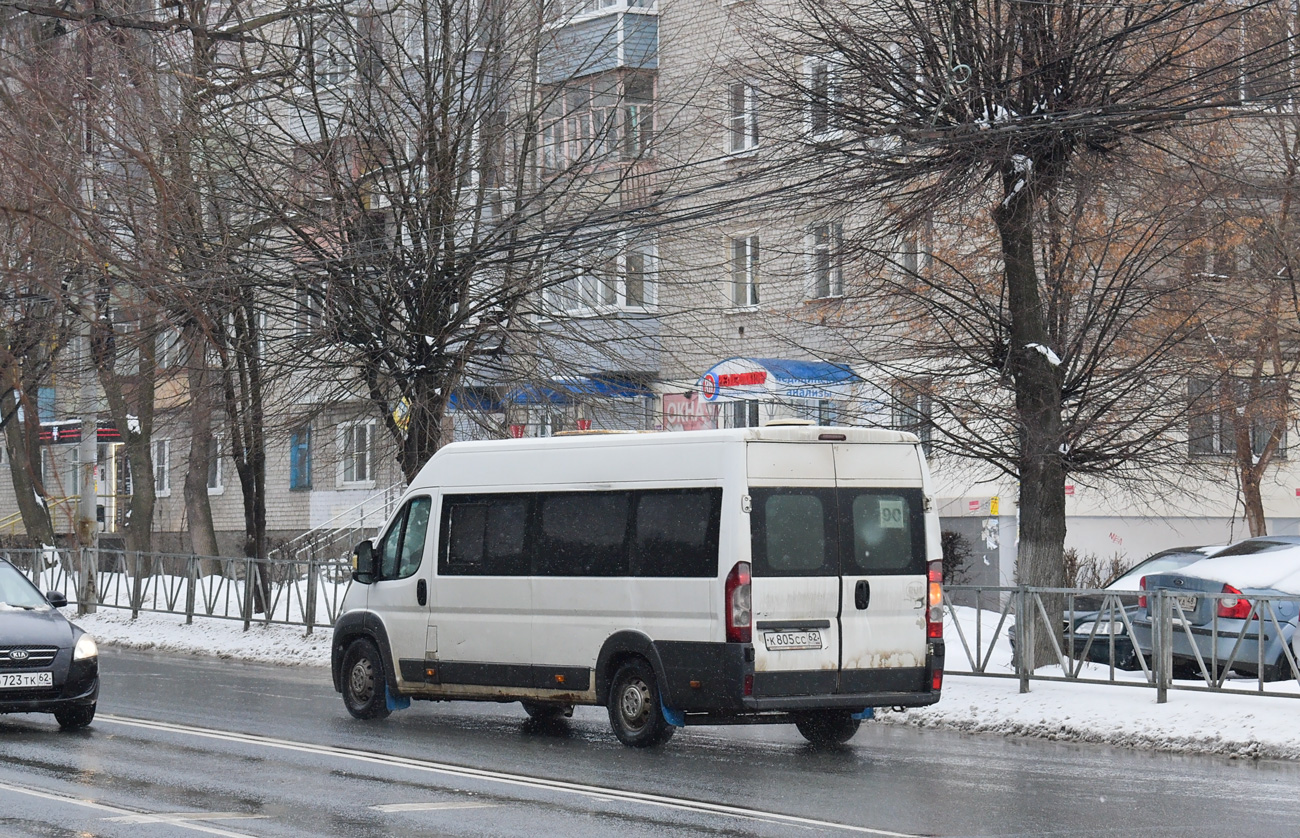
point(87, 463)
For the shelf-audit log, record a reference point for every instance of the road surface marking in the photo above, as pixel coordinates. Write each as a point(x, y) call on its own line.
point(177, 817)
point(431, 807)
point(584, 790)
point(117, 810)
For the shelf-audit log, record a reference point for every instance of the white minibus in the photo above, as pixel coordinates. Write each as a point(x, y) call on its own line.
point(777, 574)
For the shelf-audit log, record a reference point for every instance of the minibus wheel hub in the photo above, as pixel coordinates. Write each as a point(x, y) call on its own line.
point(362, 681)
point(635, 703)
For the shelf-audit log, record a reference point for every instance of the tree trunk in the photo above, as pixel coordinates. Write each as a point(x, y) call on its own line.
point(198, 510)
point(1037, 376)
point(22, 444)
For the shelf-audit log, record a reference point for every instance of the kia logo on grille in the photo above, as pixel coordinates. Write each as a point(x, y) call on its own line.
point(18, 654)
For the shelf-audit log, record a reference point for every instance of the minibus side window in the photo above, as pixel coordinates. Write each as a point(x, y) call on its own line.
point(676, 533)
point(793, 532)
point(402, 547)
point(484, 535)
point(888, 531)
point(582, 534)
point(466, 524)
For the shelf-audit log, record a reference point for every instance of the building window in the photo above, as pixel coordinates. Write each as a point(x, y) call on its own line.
point(742, 413)
point(308, 317)
point(744, 271)
point(1266, 53)
point(167, 349)
point(593, 121)
point(356, 449)
point(46, 403)
point(742, 123)
point(1213, 408)
point(825, 256)
point(300, 458)
point(623, 280)
point(823, 98)
point(215, 486)
point(914, 413)
point(162, 467)
point(331, 51)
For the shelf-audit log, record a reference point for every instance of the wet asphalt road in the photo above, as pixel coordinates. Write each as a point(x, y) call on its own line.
point(190, 747)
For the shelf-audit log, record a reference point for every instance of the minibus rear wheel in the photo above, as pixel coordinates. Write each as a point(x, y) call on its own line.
point(365, 690)
point(635, 712)
point(827, 727)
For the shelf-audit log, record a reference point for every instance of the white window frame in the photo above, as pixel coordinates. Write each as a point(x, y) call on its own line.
point(162, 467)
point(832, 130)
point(742, 117)
point(214, 467)
point(346, 453)
point(743, 254)
point(332, 65)
point(825, 240)
point(604, 288)
point(167, 349)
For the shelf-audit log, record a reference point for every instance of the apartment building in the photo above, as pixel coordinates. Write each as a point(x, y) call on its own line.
point(716, 301)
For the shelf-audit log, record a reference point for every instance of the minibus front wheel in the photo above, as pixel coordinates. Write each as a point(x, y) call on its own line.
point(635, 711)
point(364, 686)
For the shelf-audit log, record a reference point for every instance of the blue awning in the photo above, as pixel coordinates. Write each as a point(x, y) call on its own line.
point(567, 389)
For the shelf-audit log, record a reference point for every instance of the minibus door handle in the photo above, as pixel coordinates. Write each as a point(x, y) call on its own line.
point(422, 592)
point(862, 594)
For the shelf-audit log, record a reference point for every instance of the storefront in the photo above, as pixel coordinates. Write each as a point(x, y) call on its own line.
point(746, 392)
point(580, 403)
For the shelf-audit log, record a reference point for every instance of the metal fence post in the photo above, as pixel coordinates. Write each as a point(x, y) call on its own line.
point(248, 593)
point(191, 582)
point(313, 581)
point(1164, 648)
point(1025, 638)
point(137, 585)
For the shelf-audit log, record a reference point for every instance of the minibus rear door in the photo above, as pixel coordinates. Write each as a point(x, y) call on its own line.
point(795, 569)
point(883, 566)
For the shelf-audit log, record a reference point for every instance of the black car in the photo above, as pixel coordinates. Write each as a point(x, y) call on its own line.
point(47, 664)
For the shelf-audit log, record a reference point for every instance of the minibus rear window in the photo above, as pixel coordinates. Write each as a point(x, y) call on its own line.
point(793, 532)
point(887, 532)
point(831, 532)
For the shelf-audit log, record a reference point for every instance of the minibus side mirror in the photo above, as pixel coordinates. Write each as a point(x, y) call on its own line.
point(56, 599)
point(363, 562)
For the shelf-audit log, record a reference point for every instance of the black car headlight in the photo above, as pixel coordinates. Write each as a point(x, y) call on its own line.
point(86, 648)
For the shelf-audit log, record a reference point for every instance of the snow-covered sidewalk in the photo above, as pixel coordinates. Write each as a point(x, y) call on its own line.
point(1235, 725)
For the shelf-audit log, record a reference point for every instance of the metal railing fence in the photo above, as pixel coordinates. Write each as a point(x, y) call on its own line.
point(302, 592)
point(1172, 650)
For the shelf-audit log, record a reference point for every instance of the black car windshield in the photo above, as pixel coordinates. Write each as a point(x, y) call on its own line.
point(16, 591)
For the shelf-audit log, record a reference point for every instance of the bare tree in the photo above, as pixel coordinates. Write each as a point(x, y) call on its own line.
point(1008, 108)
point(432, 186)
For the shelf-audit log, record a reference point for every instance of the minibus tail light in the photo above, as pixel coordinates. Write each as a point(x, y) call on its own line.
point(1142, 600)
point(934, 602)
point(737, 604)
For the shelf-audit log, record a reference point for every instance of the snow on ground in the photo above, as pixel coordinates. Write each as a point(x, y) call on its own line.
point(1247, 726)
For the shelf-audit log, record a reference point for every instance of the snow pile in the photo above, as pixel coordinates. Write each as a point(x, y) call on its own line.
point(1245, 726)
point(280, 644)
